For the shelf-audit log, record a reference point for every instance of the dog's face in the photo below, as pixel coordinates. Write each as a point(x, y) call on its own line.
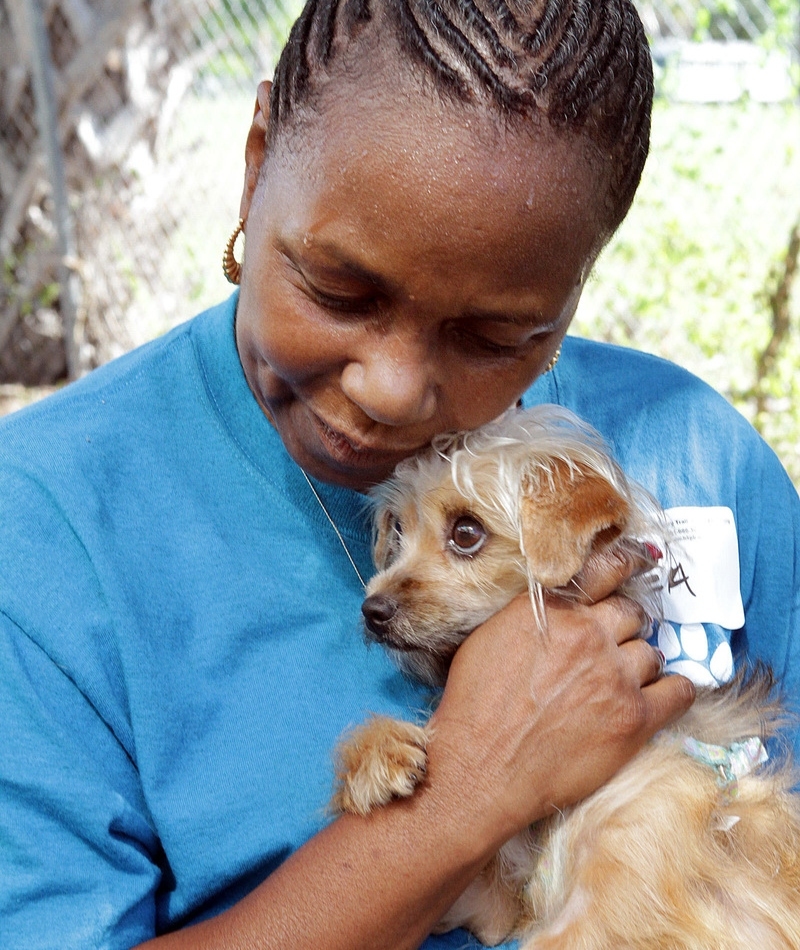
point(446, 566)
point(461, 532)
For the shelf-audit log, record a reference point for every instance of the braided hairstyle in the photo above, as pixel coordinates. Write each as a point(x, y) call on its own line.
point(583, 64)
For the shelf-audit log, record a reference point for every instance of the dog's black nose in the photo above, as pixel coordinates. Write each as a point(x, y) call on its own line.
point(378, 612)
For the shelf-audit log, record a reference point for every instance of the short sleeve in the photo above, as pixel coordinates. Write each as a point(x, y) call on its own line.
point(79, 859)
point(769, 538)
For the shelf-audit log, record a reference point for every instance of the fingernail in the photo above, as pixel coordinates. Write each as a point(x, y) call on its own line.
point(655, 552)
point(661, 658)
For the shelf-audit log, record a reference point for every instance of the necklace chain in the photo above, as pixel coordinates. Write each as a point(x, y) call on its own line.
point(334, 526)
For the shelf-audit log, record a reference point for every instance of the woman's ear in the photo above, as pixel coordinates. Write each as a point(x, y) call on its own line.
point(255, 149)
point(565, 519)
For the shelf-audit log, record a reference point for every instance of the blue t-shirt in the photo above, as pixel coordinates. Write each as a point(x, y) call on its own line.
point(180, 641)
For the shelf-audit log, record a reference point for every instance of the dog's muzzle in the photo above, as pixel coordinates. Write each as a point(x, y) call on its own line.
point(379, 612)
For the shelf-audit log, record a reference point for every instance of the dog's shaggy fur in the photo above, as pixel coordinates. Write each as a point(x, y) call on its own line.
point(663, 857)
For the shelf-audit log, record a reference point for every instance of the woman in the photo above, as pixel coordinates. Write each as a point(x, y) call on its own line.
point(185, 538)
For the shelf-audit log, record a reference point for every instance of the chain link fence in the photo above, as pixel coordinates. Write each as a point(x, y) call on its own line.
point(121, 106)
point(122, 127)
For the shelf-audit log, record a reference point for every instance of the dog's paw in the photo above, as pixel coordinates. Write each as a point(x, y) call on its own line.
point(381, 760)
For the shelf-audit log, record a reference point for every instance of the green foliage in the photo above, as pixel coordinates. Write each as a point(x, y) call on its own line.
point(245, 37)
point(49, 294)
point(689, 274)
point(772, 22)
point(16, 295)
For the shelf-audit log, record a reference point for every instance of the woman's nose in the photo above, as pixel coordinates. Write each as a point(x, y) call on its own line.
point(392, 382)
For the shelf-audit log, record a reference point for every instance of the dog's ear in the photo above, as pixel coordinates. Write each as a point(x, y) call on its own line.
point(565, 519)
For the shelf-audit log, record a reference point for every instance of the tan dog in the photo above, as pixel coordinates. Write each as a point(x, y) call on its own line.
point(671, 854)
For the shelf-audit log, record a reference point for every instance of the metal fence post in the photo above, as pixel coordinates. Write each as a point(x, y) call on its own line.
point(43, 75)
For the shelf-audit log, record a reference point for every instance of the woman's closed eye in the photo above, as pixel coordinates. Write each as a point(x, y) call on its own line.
point(470, 340)
point(340, 301)
point(497, 339)
point(342, 295)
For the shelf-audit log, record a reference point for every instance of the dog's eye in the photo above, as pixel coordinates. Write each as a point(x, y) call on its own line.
point(467, 536)
point(392, 544)
point(395, 538)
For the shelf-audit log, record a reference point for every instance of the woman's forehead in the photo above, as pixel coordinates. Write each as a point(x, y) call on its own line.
point(584, 68)
point(408, 165)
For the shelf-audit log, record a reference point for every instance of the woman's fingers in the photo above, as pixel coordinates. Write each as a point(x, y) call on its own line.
point(667, 699)
point(625, 617)
point(607, 570)
point(629, 624)
point(646, 661)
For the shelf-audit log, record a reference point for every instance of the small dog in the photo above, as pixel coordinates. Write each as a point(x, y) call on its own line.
point(691, 846)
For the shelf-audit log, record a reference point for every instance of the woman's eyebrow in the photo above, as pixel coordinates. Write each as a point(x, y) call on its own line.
point(342, 261)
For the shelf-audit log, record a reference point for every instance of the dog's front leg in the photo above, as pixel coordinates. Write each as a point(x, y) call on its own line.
point(381, 760)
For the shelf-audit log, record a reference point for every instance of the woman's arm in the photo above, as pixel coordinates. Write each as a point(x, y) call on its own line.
point(508, 746)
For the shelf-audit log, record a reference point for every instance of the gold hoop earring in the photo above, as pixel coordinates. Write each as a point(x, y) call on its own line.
point(231, 268)
point(552, 364)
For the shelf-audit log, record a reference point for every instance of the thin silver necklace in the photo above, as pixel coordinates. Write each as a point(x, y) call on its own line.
point(333, 525)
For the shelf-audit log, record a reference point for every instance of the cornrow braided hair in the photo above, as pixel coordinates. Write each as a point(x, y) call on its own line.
point(584, 64)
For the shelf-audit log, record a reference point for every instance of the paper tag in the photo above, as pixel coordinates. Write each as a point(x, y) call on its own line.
point(702, 568)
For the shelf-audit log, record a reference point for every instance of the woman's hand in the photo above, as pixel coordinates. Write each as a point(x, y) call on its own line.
point(535, 719)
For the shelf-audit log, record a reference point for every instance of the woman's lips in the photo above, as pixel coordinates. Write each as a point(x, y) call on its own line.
point(353, 451)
